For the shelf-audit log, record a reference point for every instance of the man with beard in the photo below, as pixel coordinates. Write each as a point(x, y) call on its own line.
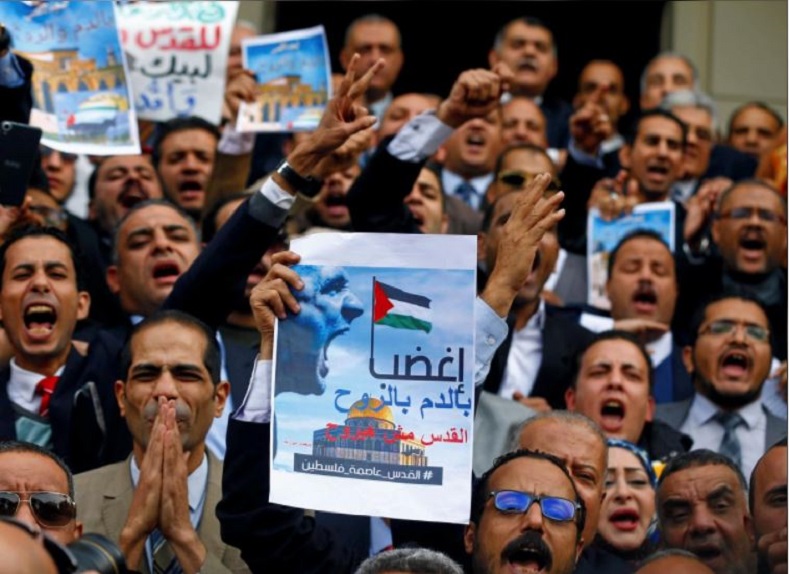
point(728, 362)
point(701, 506)
point(158, 505)
point(118, 183)
point(748, 230)
point(508, 533)
point(184, 153)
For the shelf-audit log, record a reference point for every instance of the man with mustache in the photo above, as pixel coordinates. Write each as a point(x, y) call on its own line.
point(729, 361)
point(702, 507)
point(748, 233)
point(158, 504)
point(527, 46)
point(118, 183)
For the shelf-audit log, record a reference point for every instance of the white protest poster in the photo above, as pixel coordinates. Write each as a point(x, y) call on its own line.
point(603, 236)
point(293, 73)
point(373, 378)
point(81, 98)
point(177, 54)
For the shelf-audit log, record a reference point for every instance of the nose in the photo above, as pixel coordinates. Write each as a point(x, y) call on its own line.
point(40, 281)
point(533, 519)
point(351, 308)
point(165, 387)
point(702, 522)
point(55, 160)
point(414, 196)
point(620, 490)
point(160, 240)
point(25, 514)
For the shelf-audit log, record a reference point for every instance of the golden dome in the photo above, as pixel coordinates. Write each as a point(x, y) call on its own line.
point(371, 409)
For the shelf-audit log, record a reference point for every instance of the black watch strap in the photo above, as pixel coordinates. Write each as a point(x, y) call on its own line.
point(308, 186)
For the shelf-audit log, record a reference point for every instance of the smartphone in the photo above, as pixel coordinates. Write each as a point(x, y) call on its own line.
point(18, 156)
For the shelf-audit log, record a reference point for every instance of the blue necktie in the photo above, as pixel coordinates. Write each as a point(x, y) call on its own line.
point(164, 560)
point(730, 445)
point(467, 193)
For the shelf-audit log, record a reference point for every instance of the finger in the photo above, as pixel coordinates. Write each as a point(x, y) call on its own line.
point(347, 79)
point(359, 124)
point(285, 258)
point(360, 86)
point(286, 274)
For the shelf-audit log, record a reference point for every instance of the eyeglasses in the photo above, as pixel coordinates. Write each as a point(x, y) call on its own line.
point(741, 213)
point(51, 216)
point(726, 327)
point(516, 179)
point(517, 502)
point(50, 509)
point(67, 157)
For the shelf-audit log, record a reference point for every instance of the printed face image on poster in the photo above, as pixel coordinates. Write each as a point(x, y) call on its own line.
point(373, 390)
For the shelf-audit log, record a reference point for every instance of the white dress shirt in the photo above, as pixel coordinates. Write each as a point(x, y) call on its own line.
point(450, 181)
point(525, 357)
point(22, 387)
point(707, 432)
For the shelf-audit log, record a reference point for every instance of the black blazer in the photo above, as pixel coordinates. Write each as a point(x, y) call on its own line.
point(562, 341)
point(557, 121)
point(60, 406)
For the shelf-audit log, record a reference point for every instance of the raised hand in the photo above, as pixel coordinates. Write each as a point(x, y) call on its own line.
point(591, 125)
point(474, 94)
point(614, 197)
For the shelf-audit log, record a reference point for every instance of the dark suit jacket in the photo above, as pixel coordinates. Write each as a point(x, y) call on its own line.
point(562, 341)
point(725, 161)
point(208, 290)
point(16, 103)
point(557, 121)
point(674, 414)
point(104, 497)
point(60, 406)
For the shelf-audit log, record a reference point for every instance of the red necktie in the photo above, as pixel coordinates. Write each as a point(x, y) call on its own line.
point(45, 387)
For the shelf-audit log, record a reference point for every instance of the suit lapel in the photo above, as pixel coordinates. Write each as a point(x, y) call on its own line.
point(7, 416)
point(775, 431)
point(117, 499)
point(209, 525)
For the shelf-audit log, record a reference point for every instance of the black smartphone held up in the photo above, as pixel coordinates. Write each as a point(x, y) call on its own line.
point(18, 155)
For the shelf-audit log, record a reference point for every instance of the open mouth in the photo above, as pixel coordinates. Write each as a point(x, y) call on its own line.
point(166, 271)
point(660, 171)
point(645, 298)
point(40, 319)
point(323, 363)
point(530, 556)
point(190, 188)
point(132, 195)
point(707, 553)
point(475, 141)
point(752, 244)
point(625, 519)
point(612, 415)
point(735, 364)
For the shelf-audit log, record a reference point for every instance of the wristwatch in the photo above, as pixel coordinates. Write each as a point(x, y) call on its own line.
point(308, 186)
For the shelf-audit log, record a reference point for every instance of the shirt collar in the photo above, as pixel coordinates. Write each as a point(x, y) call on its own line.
point(660, 349)
point(451, 180)
point(703, 410)
point(379, 108)
point(196, 483)
point(537, 321)
point(27, 380)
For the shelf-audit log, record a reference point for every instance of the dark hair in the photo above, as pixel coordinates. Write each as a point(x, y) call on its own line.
point(209, 227)
point(411, 560)
point(212, 357)
point(615, 335)
point(700, 314)
point(759, 105)
point(38, 178)
point(29, 447)
point(481, 490)
point(516, 147)
point(724, 195)
point(33, 231)
point(751, 483)
point(142, 205)
point(636, 234)
point(531, 21)
point(435, 169)
point(699, 458)
point(175, 125)
point(631, 134)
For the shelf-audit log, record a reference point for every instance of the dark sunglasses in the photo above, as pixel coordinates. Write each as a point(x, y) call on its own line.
point(517, 502)
point(50, 509)
point(67, 157)
point(741, 213)
point(517, 179)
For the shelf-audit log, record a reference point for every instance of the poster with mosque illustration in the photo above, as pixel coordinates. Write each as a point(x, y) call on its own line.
point(293, 74)
point(80, 89)
point(374, 378)
point(603, 236)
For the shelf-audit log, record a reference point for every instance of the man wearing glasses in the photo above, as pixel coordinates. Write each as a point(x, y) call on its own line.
point(748, 232)
point(525, 514)
point(36, 487)
point(728, 362)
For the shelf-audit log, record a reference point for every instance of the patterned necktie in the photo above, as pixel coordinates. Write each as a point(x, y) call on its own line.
point(730, 445)
point(467, 193)
point(44, 389)
point(164, 560)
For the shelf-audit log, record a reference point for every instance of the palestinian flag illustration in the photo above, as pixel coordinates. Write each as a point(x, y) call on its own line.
point(399, 309)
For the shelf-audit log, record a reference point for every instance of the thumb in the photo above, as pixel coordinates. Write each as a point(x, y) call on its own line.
point(631, 189)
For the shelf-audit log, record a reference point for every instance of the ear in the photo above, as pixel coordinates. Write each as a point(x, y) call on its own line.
point(554, 67)
point(469, 535)
point(493, 58)
point(77, 530)
point(569, 398)
point(120, 396)
point(83, 305)
point(650, 409)
point(441, 155)
point(624, 156)
point(92, 210)
point(482, 244)
point(687, 359)
point(624, 107)
point(444, 223)
point(715, 232)
point(220, 397)
point(113, 281)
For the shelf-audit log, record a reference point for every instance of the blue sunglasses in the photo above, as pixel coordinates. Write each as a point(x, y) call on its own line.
point(553, 507)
